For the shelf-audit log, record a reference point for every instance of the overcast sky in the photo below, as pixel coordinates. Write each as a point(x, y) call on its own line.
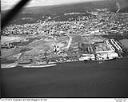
point(7, 4)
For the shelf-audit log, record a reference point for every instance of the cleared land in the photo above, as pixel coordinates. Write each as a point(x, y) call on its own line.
point(124, 42)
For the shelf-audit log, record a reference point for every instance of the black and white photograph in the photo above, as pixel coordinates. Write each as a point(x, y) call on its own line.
point(64, 48)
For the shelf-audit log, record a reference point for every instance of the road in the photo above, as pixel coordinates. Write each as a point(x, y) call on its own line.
point(69, 43)
point(77, 79)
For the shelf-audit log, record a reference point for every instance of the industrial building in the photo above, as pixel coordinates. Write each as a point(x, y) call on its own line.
point(100, 51)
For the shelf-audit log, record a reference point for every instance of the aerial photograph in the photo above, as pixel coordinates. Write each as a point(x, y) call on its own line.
point(64, 48)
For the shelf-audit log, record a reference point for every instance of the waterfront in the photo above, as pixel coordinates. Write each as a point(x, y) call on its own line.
point(76, 79)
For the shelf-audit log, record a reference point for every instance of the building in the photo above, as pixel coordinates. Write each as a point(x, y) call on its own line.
point(106, 56)
point(87, 57)
point(105, 51)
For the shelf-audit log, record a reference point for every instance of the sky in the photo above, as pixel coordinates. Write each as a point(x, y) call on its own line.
point(7, 4)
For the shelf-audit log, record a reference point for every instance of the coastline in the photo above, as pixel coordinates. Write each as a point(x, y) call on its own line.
point(38, 66)
point(12, 65)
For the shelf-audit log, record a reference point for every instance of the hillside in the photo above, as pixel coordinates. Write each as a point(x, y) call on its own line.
point(60, 9)
point(77, 7)
point(32, 14)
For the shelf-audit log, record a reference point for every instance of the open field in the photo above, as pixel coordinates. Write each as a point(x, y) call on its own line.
point(124, 42)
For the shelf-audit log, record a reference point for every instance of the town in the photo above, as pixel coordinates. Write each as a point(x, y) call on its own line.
point(52, 42)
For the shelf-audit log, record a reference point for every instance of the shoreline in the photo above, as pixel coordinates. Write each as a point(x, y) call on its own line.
point(37, 66)
point(13, 65)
